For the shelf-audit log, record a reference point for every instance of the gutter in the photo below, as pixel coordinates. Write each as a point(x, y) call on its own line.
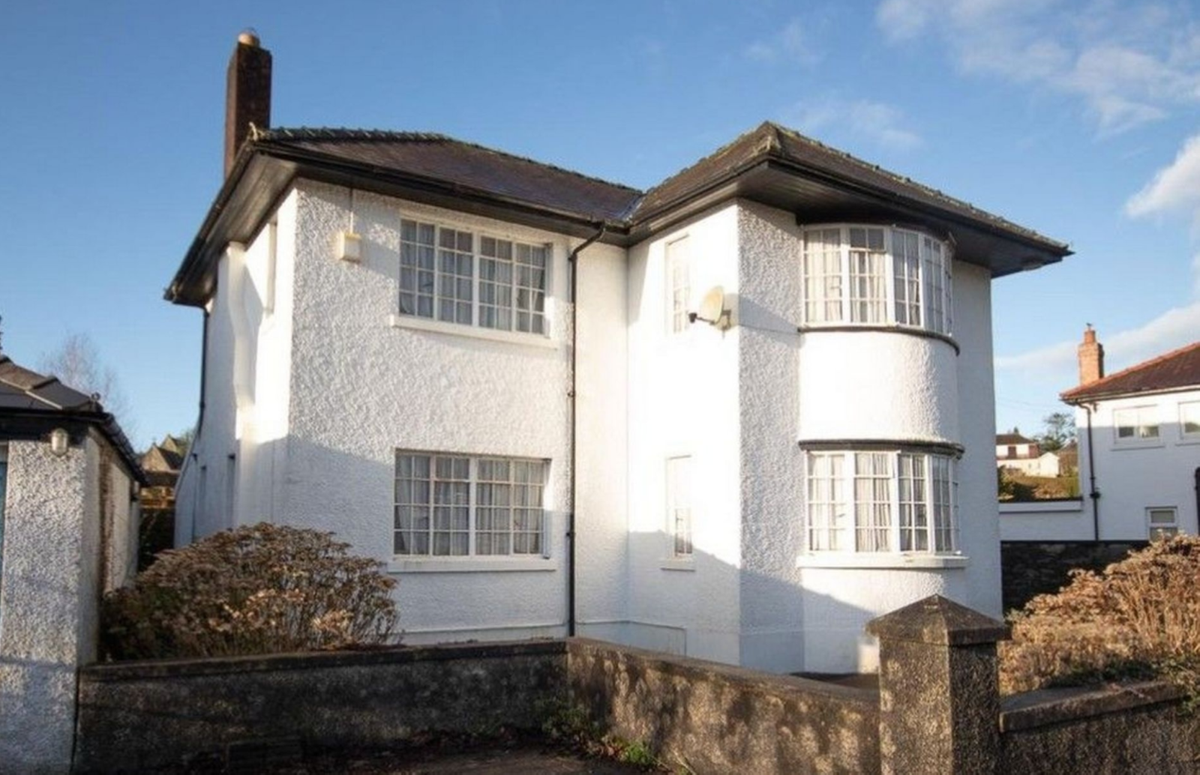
point(573, 263)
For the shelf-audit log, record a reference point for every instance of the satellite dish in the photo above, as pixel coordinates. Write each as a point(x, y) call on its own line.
point(712, 309)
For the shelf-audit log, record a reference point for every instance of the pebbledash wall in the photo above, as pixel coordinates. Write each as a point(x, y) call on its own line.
point(54, 574)
point(307, 403)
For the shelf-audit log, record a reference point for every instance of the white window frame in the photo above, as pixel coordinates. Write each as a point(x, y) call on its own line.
point(839, 502)
point(680, 506)
point(272, 261)
point(537, 318)
point(836, 298)
point(1160, 529)
point(540, 536)
point(1137, 418)
point(1189, 412)
point(678, 266)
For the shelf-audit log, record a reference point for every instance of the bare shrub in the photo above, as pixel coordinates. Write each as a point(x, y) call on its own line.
point(254, 590)
point(1138, 618)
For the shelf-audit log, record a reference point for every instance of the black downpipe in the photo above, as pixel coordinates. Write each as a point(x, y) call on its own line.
point(573, 264)
point(1094, 494)
point(1197, 477)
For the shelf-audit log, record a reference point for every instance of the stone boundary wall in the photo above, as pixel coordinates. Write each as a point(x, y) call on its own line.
point(937, 709)
point(714, 718)
point(1031, 568)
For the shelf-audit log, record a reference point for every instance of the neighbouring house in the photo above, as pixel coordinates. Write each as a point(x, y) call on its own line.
point(734, 416)
point(161, 462)
point(1025, 455)
point(1139, 442)
point(68, 534)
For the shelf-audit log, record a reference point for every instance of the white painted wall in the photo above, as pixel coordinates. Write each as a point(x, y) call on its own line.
point(1134, 476)
point(683, 401)
point(1069, 520)
point(50, 592)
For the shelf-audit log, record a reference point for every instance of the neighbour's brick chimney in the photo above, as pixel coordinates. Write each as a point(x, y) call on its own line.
point(247, 93)
point(1091, 358)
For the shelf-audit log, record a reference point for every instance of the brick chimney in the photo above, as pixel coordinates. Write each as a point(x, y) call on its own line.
point(1091, 358)
point(247, 93)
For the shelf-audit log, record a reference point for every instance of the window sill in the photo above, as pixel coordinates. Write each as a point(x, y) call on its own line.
point(881, 560)
point(1119, 446)
point(472, 332)
point(470, 564)
point(893, 328)
point(678, 563)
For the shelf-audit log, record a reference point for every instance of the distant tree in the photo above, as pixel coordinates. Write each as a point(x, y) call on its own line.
point(77, 364)
point(1059, 431)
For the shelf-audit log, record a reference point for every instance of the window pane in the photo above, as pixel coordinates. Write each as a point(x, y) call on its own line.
point(914, 522)
point(873, 501)
point(679, 505)
point(822, 266)
point(417, 276)
point(1189, 418)
point(868, 267)
point(678, 285)
point(827, 510)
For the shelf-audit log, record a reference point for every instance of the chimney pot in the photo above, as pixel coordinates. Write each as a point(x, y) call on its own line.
point(247, 93)
point(1091, 358)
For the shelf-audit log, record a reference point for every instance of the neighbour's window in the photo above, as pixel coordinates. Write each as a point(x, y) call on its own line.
point(679, 284)
point(458, 506)
point(1138, 423)
point(875, 275)
point(460, 277)
point(1189, 420)
point(679, 505)
point(1162, 522)
point(887, 501)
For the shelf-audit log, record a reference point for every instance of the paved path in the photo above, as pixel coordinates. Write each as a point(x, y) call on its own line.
point(486, 762)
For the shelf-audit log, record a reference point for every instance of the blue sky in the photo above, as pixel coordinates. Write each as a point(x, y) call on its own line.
point(1078, 119)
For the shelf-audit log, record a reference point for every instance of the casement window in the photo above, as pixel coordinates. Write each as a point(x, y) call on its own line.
point(460, 506)
point(679, 505)
point(1189, 420)
point(875, 275)
point(871, 502)
point(460, 277)
point(1162, 522)
point(1139, 423)
point(679, 285)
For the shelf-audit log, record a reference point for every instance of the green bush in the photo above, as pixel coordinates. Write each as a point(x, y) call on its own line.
point(1138, 618)
point(254, 590)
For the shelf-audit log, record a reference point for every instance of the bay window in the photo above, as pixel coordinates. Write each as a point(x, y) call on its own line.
point(875, 275)
point(459, 506)
point(457, 276)
point(879, 501)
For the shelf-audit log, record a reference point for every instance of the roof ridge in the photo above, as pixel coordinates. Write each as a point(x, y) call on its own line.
point(383, 135)
point(1131, 369)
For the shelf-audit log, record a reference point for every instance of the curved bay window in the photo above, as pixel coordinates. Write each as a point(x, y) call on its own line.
point(876, 275)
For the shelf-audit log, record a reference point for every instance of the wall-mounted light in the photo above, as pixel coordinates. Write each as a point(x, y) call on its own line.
point(348, 247)
point(60, 442)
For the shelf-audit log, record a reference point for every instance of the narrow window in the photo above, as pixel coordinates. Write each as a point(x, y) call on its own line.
point(417, 268)
point(230, 489)
point(823, 276)
point(495, 283)
point(531, 288)
point(679, 283)
point(934, 276)
point(827, 508)
point(1189, 420)
point(941, 503)
point(1162, 523)
point(272, 259)
point(679, 505)
point(907, 277)
point(456, 276)
point(873, 501)
point(868, 270)
point(912, 499)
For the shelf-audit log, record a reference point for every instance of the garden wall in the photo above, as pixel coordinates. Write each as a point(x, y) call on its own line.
point(937, 709)
point(1031, 568)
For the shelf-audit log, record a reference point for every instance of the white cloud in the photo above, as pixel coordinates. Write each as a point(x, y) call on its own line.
point(792, 43)
point(1129, 63)
point(876, 122)
point(1174, 188)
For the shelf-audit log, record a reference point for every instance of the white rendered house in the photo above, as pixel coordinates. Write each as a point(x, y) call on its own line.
point(1139, 443)
point(482, 370)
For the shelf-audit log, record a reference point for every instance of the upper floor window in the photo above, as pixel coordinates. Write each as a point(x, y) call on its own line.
point(861, 501)
point(679, 285)
point(1138, 423)
point(460, 277)
point(1189, 420)
point(459, 506)
point(876, 275)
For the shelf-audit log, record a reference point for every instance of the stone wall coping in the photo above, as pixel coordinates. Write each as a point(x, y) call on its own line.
point(316, 660)
point(1043, 707)
point(772, 683)
point(939, 621)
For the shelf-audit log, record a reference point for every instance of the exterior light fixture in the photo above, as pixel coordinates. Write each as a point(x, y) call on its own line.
point(349, 247)
point(60, 442)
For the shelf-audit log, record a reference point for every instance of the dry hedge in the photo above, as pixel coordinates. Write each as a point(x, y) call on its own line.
point(1138, 618)
point(254, 590)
